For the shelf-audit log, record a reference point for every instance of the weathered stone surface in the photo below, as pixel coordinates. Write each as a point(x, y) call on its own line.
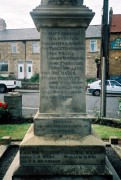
point(5, 140)
point(62, 2)
point(62, 88)
point(14, 101)
point(76, 172)
point(68, 149)
point(51, 15)
point(59, 155)
point(51, 124)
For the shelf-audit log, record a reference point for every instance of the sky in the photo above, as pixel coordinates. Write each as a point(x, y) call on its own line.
point(16, 13)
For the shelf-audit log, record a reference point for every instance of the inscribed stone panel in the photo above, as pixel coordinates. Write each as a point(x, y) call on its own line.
point(62, 86)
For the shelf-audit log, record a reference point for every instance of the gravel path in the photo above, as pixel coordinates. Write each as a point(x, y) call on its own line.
point(114, 160)
point(7, 159)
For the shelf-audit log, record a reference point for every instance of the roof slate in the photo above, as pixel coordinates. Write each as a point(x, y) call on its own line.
point(93, 31)
point(19, 34)
point(116, 23)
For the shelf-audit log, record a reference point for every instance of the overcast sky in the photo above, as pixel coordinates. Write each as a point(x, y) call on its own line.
point(16, 13)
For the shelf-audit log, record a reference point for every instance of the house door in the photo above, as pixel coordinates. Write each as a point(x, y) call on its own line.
point(20, 70)
point(29, 72)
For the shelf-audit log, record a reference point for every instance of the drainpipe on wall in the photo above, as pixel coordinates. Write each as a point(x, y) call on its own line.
point(24, 49)
point(24, 42)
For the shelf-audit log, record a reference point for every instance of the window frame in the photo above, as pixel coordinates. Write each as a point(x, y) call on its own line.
point(3, 63)
point(94, 44)
point(14, 48)
point(35, 47)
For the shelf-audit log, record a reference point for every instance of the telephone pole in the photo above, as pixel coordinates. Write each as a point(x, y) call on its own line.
point(104, 55)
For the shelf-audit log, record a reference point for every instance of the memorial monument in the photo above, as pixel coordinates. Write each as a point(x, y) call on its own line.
point(60, 144)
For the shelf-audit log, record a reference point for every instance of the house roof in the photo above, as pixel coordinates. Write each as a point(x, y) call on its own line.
point(116, 23)
point(19, 34)
point(93, 31)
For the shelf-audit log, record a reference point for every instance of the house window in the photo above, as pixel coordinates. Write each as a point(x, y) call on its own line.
point(21, 69)
point(93, 45)
point(3, 66)
point(14, 47)
point(36, 47)
point(29, 69)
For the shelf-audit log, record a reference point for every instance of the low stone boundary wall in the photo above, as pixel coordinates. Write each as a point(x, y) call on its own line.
point(29, 85)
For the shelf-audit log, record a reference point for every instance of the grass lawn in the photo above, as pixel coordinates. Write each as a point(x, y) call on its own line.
point(105, 131)
point(18, 131)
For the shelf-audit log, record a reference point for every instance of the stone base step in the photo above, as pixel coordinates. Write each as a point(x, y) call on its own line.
point(57, 150)
point(68, 172)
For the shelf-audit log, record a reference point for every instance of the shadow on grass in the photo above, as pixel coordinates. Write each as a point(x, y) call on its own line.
point(16, 120)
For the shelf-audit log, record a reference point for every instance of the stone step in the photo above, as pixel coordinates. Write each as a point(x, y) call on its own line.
point(68, 149)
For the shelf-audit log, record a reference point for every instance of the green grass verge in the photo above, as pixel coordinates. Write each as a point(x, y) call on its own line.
point(18, 131)
point(104, 132)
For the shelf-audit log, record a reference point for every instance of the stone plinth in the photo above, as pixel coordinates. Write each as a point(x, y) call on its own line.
point(56, 124)
point(62, 157)
point(61, 150)
point(70, 172)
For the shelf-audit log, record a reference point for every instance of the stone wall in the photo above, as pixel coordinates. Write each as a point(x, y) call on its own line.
point(91, 68)
point(23, 54)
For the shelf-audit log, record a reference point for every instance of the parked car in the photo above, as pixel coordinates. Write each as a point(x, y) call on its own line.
point(9, 85)
point(116, 78)
point(112, 87)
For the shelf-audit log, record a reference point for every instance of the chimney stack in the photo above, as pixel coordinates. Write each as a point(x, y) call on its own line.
point(2, 25)
point(110, 15)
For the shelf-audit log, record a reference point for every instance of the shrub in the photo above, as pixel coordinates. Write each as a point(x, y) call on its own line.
point(5, 115)
point(35, 78)
point(7, 78)
point(90, 80)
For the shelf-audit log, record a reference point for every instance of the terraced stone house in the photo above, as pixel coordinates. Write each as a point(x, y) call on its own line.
point(20, 50)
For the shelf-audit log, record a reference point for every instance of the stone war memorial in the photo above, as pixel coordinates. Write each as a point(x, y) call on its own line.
point(60, 145)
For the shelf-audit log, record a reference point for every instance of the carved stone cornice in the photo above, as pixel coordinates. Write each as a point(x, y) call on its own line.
point(53, 15)
point(62, 2)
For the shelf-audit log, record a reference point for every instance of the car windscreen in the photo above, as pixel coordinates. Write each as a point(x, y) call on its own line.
point(114, 83)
